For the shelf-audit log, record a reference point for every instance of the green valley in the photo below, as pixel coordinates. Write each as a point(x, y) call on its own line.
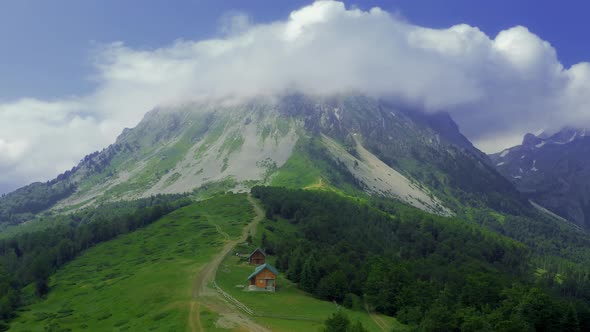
point(290, 308)
point(155, 279)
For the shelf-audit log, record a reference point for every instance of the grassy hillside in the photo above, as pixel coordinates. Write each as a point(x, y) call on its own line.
point(289, 308)
point(143, 281)
point(140, 281)
point(312, 166)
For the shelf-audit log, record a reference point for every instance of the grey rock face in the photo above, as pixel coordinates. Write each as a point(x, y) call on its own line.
point(553, 170)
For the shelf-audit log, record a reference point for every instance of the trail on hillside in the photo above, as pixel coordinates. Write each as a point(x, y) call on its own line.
point(204, 295)
point(376, 319)
point(224, 234)
point(195, 317)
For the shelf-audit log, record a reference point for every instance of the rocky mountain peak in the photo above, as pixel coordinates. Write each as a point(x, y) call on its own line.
point(530, 140)
point(295, 140)
point(553, 169)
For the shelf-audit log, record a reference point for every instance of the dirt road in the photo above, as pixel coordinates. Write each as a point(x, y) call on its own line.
point(205, 295)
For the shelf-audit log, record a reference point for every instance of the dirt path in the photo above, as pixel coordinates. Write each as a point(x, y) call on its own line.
point(195, 317)
point(226, 236)
point(382, 325)
point(208, 297)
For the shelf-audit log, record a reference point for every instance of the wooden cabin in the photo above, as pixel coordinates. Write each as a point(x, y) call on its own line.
point(257, 257)
point(263, 278)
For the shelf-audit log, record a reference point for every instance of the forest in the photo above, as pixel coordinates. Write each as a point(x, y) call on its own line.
point(488, 273)
point(32, 257)
point(432, 273)
point(23, 203)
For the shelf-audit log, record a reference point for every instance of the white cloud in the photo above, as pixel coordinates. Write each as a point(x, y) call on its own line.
point(496, 88)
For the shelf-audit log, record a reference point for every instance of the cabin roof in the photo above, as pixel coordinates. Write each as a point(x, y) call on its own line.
point(261, 268)
point(255, 250)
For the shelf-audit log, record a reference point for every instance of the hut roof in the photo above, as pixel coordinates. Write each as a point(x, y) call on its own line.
point(255, 250)
point(261, 268)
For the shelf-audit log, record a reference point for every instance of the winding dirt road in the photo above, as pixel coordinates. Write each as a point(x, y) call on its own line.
point(204, 295)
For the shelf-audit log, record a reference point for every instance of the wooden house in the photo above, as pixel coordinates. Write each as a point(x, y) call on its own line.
point(257, 257)
point(263, 278)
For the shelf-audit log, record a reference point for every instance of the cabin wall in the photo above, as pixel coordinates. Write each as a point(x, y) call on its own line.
point(262, 277)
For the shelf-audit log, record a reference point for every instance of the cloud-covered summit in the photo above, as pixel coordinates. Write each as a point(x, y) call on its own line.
point(496, 88)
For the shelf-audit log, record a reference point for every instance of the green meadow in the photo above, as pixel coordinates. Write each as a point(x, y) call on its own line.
point(141, 281)
point(289, 308)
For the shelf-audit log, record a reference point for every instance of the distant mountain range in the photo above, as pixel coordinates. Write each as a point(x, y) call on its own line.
point(553, 170)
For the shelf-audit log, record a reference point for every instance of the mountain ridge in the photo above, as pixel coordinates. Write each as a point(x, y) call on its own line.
point(349, 190)
point(552, 170)
point(237, 144)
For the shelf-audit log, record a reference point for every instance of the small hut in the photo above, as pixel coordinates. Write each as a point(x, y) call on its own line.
point(263, 278)
point(257, 257)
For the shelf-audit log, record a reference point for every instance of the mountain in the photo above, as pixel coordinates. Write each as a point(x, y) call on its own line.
point(553, 170)
point(348, 142)
point(356, 200)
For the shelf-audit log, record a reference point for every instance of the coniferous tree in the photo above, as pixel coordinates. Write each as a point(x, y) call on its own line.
point(309, 275)
point(338, 322)
point(570, 321)
point(357, 327)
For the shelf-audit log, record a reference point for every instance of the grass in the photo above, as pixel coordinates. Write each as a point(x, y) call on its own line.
point(275, 127)
point(141, 281)
point(173, 178)
point(288, 309)
point(209, 321)
point(157, 166)
point(310, 167)
point(160, 157)
point(265, 132)
point(33, 225)
point(96, 178)
point(214, 187)
point(283, 126)
point(298, 172)
point(232, 143)
point(214, 134)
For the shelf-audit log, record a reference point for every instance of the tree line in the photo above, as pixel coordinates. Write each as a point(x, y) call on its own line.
point(31, 258)
point(430, 272)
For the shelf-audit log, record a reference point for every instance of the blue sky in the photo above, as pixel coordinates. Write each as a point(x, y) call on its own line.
point(74, 73)
point(45, 45)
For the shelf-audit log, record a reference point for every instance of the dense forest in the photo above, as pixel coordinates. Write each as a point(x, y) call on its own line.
point(431, 272)
point(30, 258)
point(22, 204)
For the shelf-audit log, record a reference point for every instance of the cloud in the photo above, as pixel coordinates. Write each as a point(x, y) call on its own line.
point(496, 88)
